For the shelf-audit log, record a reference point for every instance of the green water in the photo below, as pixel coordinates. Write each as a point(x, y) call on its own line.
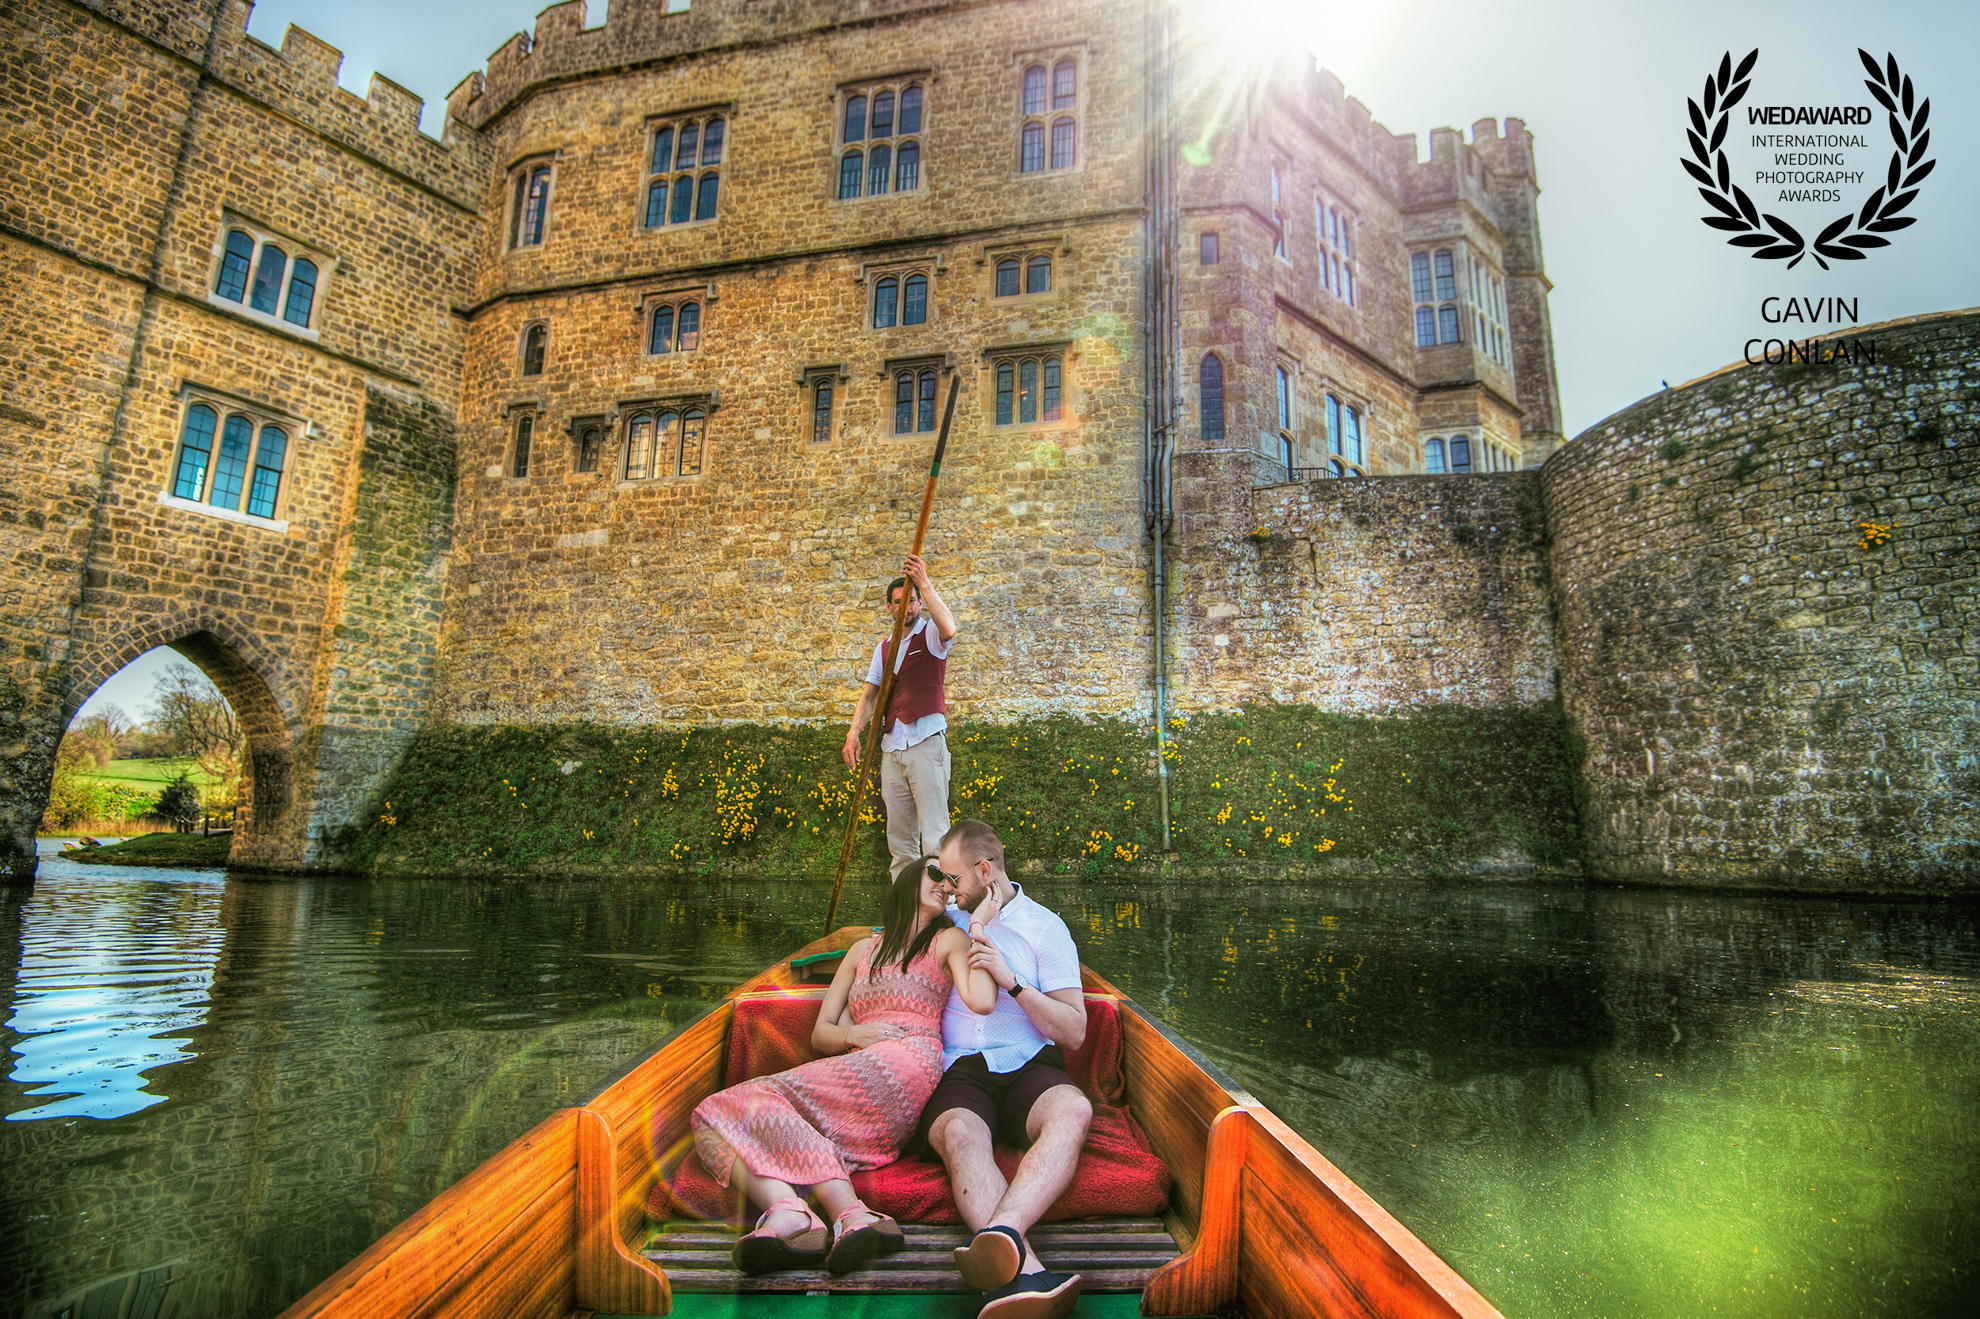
point(1591, 1102)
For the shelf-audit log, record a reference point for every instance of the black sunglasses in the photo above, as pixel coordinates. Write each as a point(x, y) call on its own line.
point(941, 876)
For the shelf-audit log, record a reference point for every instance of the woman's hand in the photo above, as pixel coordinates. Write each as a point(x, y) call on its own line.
point(869, 1033)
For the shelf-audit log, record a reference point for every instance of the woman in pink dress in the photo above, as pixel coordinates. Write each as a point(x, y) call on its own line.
point(816, 1125)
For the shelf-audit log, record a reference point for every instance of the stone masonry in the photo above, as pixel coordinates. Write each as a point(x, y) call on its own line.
point(1769, 696)
point(474, 525)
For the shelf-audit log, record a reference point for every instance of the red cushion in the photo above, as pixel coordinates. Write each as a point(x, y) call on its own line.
point(1118, 1172)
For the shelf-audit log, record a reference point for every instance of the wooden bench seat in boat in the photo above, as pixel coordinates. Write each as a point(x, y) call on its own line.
point(1119, 1176)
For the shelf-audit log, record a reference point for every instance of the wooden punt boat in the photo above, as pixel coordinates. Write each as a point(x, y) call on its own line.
point(1259, 1223)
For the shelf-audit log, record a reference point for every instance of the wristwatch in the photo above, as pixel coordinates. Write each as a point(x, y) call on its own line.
point(1018, 986)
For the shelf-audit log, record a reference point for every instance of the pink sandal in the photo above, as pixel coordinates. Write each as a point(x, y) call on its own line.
point(763, 1252)
point(854, 1246)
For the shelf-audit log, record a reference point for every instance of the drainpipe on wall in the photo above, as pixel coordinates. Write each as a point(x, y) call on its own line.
point(1160, 411)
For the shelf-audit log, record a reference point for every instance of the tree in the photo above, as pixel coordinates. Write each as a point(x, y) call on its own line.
point(191, 715)
point(179, 803)
point(105, 733)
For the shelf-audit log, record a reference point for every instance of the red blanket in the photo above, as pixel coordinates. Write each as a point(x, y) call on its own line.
point(1118, 1173)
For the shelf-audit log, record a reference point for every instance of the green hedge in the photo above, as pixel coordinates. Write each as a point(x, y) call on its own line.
point(1266, 789)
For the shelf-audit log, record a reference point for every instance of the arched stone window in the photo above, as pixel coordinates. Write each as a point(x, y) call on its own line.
point(666, 440)
point(1029, 386)
point(235, 264)
point(1286, 438)
point(1022, 273)
point(684, 168)
point(1210, 399)
point(266, 294)
point(591, 440)
point(887, 119)
point(529, 204)
point(256, 272)
point(229, 459)
point(821, 410)
point(1460, 452)
point(914, 400)
point(534, 339)
point(1433, 456)
point(673, 326)
point(901, 294)
point(519, 455)
point(1048, 109)
point(1336, 249)
point(1032, 90)
point(1344, 437)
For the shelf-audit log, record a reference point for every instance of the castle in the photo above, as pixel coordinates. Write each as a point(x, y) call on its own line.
point(615, 403)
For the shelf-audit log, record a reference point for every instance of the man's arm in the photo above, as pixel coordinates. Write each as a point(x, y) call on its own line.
point(860, 716)
point(938, 613)
point(1060, 1016)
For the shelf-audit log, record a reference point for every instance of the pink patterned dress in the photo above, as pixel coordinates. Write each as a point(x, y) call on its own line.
point(837, 1116)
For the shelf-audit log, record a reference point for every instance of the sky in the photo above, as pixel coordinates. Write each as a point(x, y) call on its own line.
point(1644, 293)
point(129, 688)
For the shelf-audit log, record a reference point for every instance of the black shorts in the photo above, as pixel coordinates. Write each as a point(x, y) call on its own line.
point(1002, 1099)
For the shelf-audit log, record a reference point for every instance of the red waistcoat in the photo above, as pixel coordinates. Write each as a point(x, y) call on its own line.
point(918, 686)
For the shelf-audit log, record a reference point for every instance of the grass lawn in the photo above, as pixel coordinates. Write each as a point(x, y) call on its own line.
point(157, 850)
point(151, 774)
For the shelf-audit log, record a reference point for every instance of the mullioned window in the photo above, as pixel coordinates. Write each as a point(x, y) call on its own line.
point(1049, 108)
point(881, 129)
point(231, 460)
point(271, 278)
point(684, 169)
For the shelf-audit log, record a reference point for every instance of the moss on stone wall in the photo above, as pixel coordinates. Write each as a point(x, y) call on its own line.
point(1271, 789)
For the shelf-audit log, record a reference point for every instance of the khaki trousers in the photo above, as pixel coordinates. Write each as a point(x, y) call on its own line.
point(915, 785)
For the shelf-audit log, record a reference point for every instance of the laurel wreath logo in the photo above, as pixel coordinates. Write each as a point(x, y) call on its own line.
point(1768, 236)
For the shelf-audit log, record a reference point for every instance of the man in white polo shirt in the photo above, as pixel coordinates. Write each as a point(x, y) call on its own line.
point(1004, 1078)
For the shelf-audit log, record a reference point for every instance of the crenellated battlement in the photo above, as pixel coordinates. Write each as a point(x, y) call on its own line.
point(300, 80)
point(1473, 172)
point(641, 31)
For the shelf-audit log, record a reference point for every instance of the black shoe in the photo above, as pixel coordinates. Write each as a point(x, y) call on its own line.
point(1032, 1296)
point(991, 1259)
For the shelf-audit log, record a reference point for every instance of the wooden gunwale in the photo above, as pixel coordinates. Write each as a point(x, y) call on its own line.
point(1268, 1225)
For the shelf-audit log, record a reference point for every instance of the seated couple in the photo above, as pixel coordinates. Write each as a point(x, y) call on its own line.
point(954, 1038)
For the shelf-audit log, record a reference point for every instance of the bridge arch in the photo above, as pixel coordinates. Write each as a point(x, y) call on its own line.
point(270, 702)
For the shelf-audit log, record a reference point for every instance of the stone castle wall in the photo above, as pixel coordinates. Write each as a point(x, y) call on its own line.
point(145, 133)
point(1372, 597)
point(1765, 699)
point(751, 591)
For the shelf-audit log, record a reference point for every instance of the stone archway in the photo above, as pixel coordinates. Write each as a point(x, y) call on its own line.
point(267, 702)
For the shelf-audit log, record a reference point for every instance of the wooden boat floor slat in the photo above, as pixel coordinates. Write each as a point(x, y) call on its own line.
point(1111, 1255)
point(877, 1280)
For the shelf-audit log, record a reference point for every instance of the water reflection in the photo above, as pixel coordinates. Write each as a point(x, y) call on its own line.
point(104, 988)
point(1591, 1102)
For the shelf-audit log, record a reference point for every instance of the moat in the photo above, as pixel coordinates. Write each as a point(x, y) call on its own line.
point(1591, 1101)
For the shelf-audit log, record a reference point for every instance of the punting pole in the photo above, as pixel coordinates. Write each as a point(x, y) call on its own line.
point(870, 750)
